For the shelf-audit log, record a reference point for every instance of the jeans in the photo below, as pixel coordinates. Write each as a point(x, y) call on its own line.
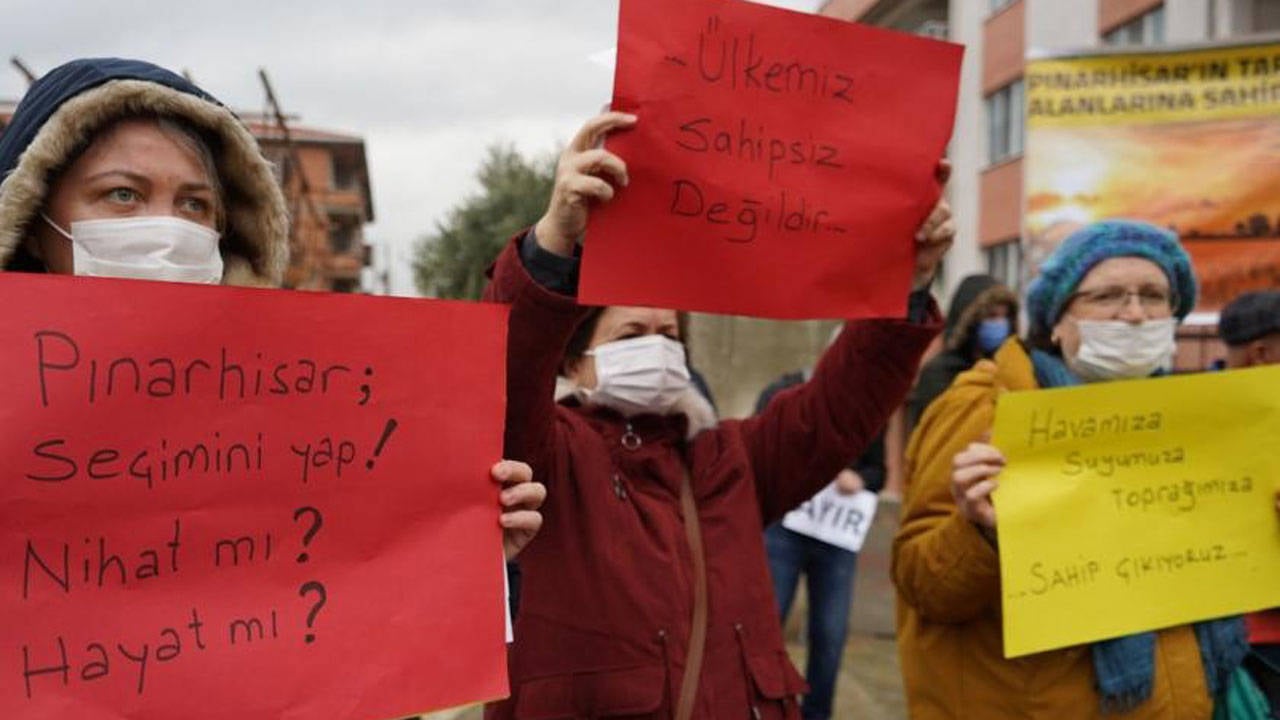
point(829, 571)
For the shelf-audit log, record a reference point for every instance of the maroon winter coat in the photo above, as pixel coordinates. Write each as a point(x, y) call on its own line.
point(609, 584)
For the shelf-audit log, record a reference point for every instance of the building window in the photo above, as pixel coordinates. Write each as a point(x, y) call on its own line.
point(1266, 17)
point(997, 5)
point(1146, 29)
point(1004, 122)
point(346, 171)
point(343, 233)
point(1004, 263)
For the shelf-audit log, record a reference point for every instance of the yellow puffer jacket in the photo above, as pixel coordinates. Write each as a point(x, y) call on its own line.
point(948, 579)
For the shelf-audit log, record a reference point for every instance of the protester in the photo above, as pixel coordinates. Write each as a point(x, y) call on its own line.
point(646, 594)
point(1250, 326)
point(161, 181)
point(982, 315)
point(697, 404)
point(1104, 307)
point(121, 168)
point(828, 569)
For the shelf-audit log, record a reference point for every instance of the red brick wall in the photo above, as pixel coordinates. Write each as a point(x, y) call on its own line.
point(1000, 203)
point(1004, 46)
point(846, 9)
point(1112, 13)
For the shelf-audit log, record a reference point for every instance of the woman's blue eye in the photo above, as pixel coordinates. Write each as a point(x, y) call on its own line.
point(123, 194)
point(195, 205)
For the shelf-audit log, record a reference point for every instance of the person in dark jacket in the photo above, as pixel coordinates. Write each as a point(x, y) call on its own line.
point(829, 571)
point(121, 168)
point(982, 315)
point(646, 593)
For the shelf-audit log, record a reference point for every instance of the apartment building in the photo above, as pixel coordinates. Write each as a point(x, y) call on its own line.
point(986, 149)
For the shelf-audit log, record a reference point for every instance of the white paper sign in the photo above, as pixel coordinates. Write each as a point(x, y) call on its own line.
point(835, 519)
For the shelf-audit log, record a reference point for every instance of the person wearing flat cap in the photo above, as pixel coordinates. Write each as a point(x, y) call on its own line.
point(1250, 327)
point(1104, 307)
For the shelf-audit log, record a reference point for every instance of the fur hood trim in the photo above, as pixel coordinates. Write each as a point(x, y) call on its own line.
point(975, 311)
point(255, 243)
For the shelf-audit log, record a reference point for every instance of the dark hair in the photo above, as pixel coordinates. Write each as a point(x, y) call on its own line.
point(581, 336)
point(23, 261)
point(1042, 339)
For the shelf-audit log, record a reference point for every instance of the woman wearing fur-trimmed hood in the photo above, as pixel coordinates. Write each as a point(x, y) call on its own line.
point(103, 110)
point(121, 168)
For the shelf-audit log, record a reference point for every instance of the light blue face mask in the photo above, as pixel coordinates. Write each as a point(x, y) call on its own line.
point(992, 333)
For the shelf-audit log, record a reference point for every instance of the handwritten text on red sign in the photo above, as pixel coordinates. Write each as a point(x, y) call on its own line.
point(223, 502)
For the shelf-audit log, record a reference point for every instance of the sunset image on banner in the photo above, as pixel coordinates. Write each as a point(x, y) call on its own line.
point(1189, 141)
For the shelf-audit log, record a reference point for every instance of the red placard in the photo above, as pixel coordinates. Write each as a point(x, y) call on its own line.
point(244, 503)
point(781, 164)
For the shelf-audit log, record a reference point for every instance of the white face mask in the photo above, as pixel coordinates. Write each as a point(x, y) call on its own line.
point(150, 247)
point(639, 375)
point(1118, 350)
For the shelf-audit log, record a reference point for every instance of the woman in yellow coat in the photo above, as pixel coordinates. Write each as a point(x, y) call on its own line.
point(1104, 307)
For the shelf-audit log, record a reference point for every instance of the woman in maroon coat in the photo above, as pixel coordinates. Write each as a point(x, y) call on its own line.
point(646, 594)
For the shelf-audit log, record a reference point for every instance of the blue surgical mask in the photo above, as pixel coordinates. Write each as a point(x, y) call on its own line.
point(992, 333)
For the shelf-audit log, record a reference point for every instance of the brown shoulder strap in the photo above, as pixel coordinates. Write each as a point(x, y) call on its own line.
point(698, 632)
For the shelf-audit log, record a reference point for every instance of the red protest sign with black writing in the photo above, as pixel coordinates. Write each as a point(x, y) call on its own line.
point(781, 164)
point(243, 503)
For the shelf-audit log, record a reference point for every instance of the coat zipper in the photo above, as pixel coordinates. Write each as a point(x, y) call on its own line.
point(630, 440)
point(746, 671)
point(666, 674)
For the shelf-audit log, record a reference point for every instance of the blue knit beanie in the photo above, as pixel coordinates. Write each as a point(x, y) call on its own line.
point(1063, 270)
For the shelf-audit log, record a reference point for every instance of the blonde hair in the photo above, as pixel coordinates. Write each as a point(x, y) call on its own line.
point(189, 139)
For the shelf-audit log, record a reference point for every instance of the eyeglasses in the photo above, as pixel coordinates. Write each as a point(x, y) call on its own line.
point(1114, 298)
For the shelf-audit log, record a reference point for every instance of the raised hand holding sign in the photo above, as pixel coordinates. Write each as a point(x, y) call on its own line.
point(780, 165)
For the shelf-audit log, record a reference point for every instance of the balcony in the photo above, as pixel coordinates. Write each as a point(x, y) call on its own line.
point(345, 266)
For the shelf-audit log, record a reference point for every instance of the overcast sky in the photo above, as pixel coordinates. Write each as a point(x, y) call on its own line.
point(429, 84)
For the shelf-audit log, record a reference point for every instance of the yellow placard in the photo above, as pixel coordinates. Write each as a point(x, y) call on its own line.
point(1162, 87)
point(1133, 506)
